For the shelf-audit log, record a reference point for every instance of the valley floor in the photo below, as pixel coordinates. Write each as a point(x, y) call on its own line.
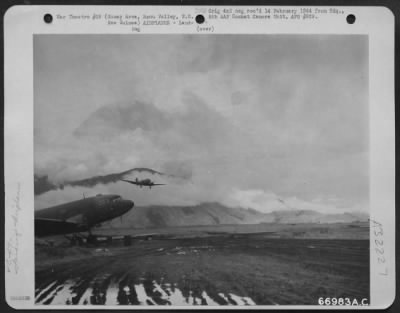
point(213, 270)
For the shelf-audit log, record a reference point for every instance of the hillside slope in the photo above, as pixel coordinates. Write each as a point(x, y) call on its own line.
point(218, 214)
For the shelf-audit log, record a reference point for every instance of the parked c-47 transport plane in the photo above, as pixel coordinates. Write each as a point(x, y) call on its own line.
point(144, 182)
point(80, 215)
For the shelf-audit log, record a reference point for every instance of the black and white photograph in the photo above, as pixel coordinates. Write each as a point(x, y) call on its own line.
point(201, 170)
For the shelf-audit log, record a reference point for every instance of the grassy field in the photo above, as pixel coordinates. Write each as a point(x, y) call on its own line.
point(213, 269)
point(358, 230)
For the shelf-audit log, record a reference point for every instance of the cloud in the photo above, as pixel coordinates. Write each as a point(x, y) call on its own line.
point(117, 137)
point(194, 193)
point(182, 170)
point(262, 201)
point(267, 201)
point(249, 113)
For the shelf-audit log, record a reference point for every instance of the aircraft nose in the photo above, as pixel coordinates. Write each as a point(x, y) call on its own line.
point(127, 205)
point(123, 206)
point(131, 204)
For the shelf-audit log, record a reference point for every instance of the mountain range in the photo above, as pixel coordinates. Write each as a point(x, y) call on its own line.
point(211, 213)
point(218, 214)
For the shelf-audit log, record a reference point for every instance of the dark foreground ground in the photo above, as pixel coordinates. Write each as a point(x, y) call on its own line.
point(212, 270)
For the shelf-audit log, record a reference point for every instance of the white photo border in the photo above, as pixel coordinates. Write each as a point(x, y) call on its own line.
point(22, 22)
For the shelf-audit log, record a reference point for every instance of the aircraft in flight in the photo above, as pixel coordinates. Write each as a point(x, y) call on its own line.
point(80, 215)
point(144, 182)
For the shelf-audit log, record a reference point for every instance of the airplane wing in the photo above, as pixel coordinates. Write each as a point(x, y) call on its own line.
point(158, 184)
point(130, 181)
point(47, 227)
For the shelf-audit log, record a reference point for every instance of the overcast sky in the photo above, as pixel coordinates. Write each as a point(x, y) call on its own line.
point(247, 119)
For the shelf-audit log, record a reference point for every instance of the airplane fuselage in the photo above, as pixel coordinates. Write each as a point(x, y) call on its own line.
point(80, 215)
